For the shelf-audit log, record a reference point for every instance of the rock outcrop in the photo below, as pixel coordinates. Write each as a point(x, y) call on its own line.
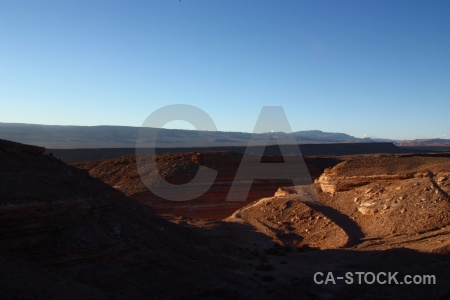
point(331, 183)
point(293, 221)
point(363, 170)
point(386, 195)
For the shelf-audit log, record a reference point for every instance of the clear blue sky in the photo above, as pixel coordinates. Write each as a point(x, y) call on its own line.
point(367, 68)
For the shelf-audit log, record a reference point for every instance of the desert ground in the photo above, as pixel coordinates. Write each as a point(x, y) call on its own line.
point(92, 229)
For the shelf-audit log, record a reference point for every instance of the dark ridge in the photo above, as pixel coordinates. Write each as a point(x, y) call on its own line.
point(425, 148)
point(70, 155)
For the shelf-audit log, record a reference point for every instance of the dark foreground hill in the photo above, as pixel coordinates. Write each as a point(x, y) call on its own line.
point(65, 234)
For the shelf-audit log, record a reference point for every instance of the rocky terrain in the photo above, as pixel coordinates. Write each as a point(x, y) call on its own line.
point(405, 193)
point(66, 234)
point(364, 200)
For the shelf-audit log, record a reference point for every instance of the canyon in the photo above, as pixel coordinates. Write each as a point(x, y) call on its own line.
point(92, 229)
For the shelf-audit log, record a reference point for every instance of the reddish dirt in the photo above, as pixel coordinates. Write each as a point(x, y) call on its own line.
point(180, 168)
point(293, 223)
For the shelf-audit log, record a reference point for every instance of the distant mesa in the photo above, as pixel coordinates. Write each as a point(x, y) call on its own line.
point(70, 137)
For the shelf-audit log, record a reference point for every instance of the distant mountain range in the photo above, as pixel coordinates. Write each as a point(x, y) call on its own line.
point(72, 137)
